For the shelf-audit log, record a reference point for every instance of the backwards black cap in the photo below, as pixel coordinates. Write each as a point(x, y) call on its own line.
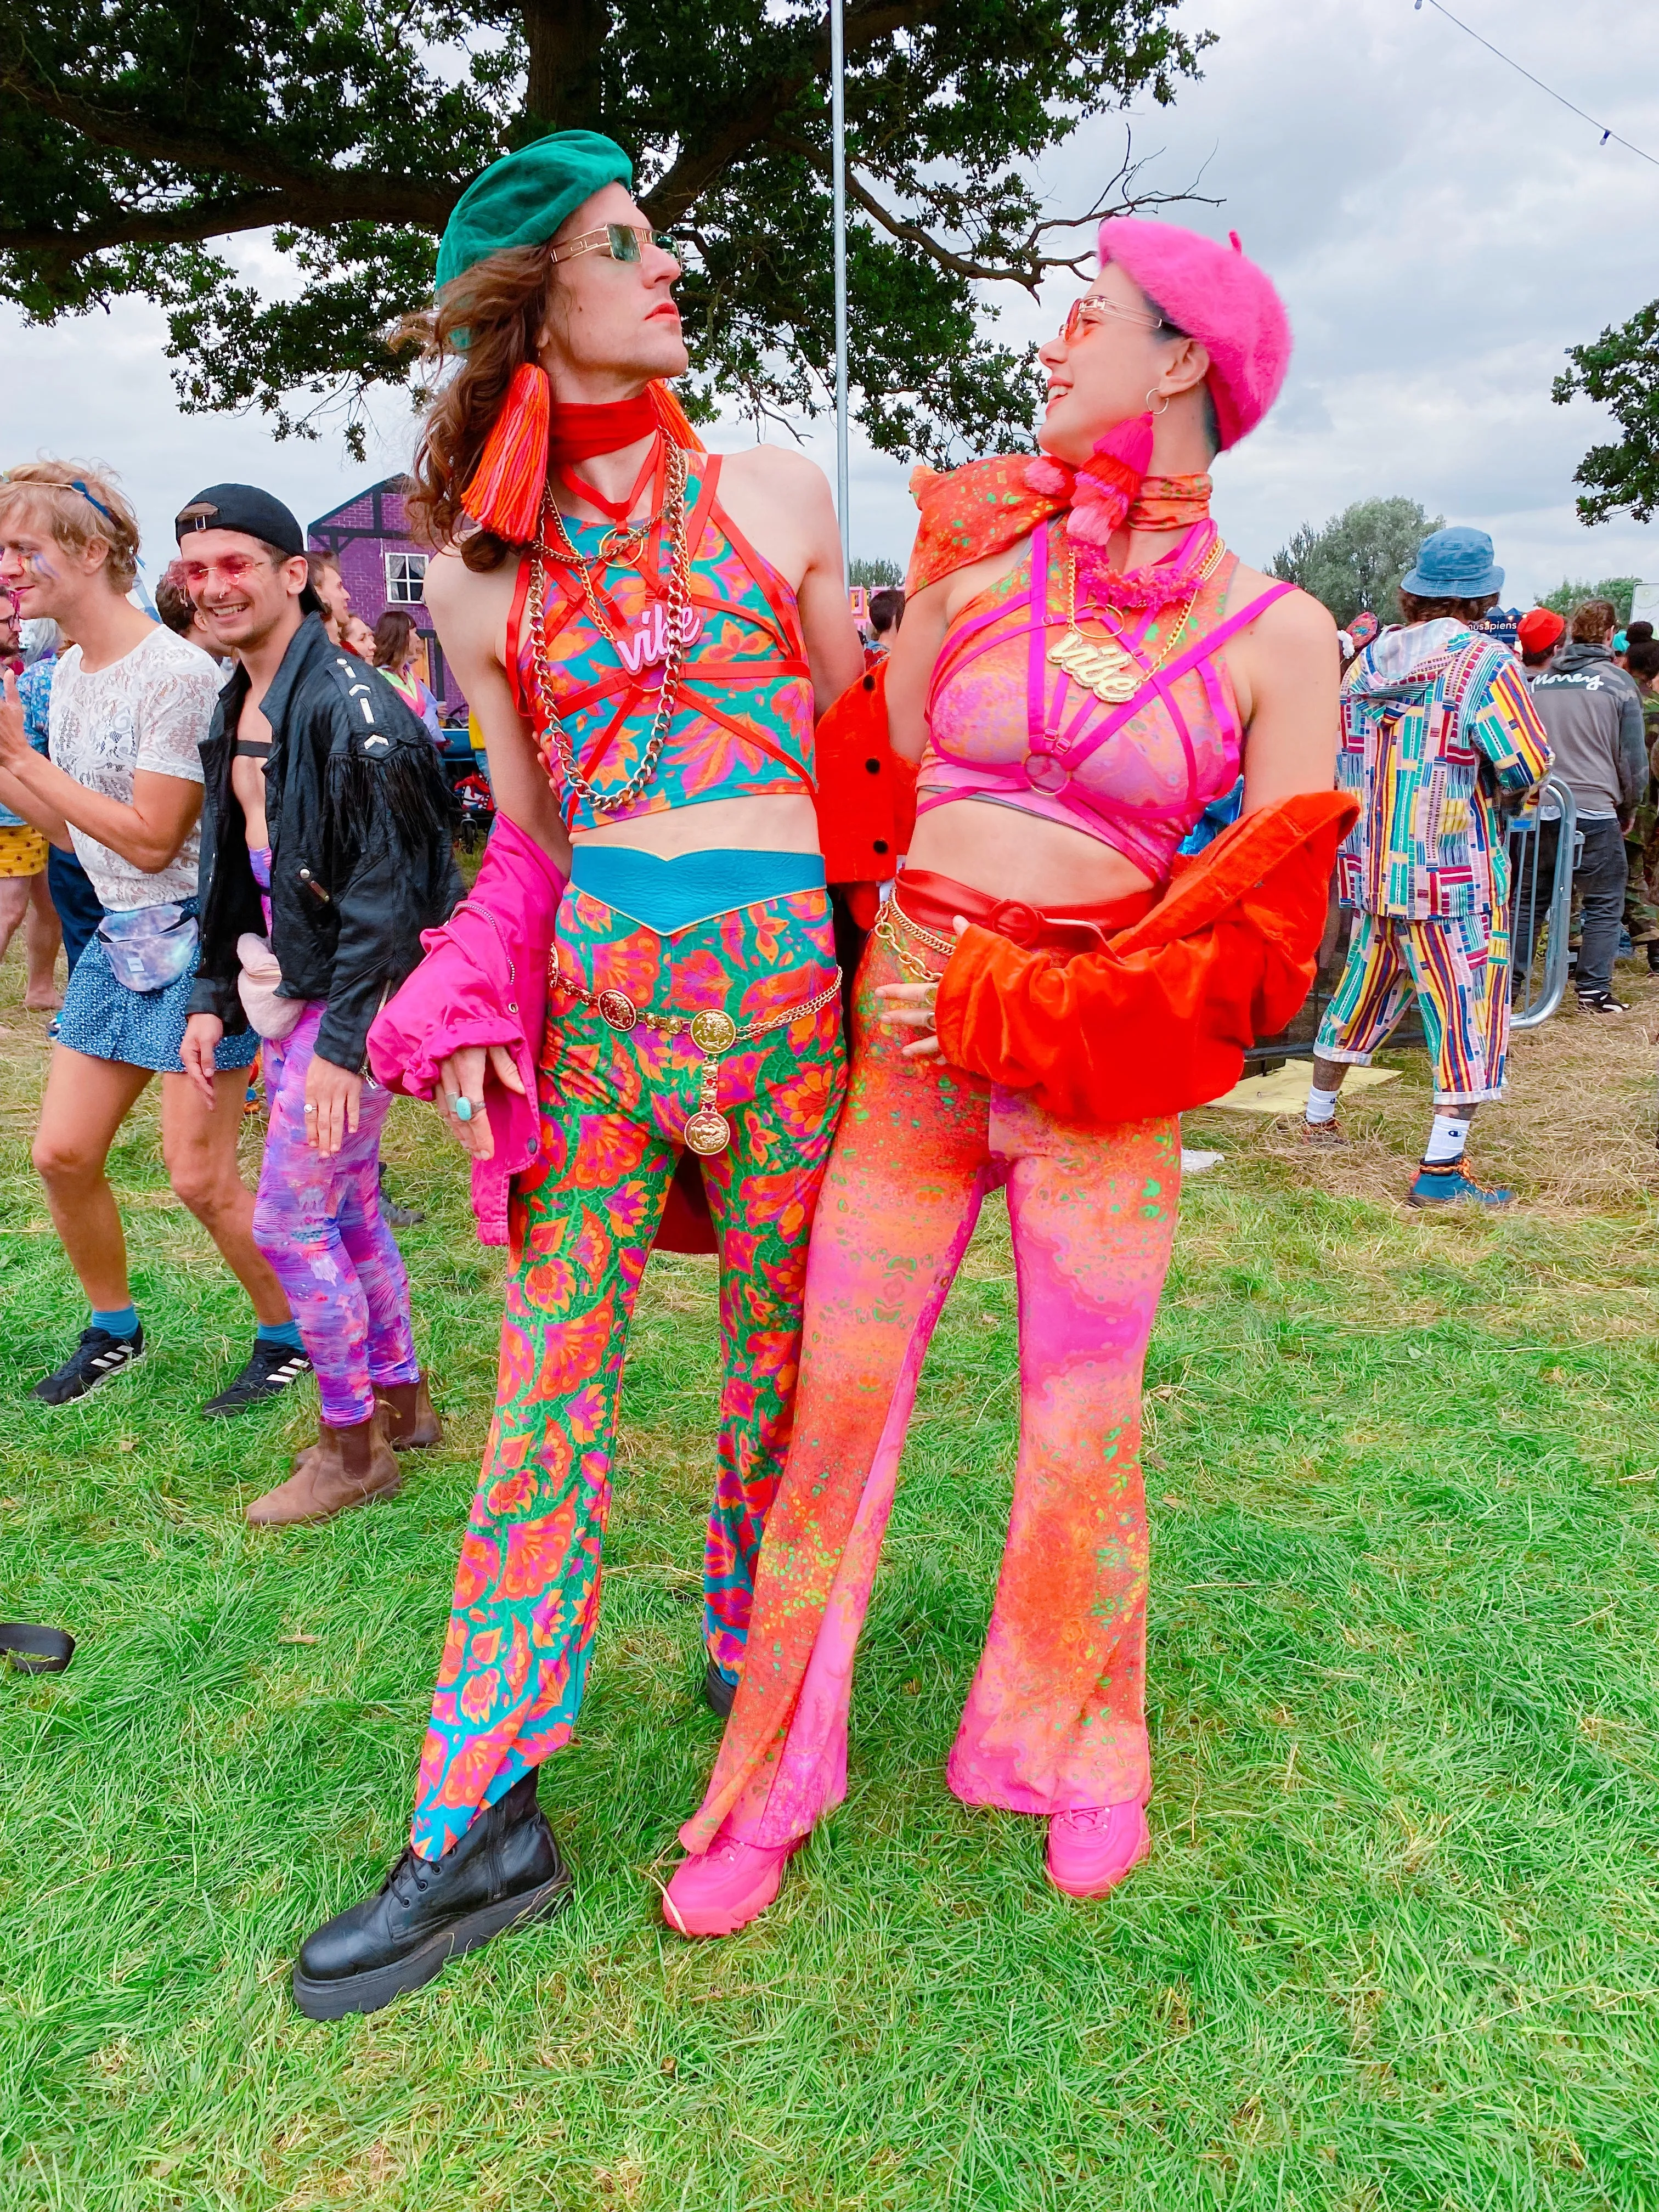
point(256, 513)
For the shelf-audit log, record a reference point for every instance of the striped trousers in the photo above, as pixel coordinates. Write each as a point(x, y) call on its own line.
point(1458, 969)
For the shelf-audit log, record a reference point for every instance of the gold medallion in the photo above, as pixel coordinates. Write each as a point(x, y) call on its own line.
point(707, 1132)
point(714, 1032)
point(618, 1009)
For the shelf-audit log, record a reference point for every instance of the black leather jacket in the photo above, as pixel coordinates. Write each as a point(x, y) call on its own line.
point(360, 823)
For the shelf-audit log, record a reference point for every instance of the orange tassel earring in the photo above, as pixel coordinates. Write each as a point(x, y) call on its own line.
point(504, 493)
point(676, 426)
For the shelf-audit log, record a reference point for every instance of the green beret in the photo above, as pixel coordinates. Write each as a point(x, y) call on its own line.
point(524, 199)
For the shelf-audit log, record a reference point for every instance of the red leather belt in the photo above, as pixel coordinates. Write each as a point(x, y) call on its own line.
point(932, 901)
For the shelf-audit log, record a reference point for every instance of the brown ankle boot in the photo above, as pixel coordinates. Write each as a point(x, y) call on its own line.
point(411, 1421)
point(345, 1468)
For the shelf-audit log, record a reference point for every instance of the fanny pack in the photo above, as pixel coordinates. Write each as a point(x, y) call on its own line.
point(271, 1016)
point(149, 947)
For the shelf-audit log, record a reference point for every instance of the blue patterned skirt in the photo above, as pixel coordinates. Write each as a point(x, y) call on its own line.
point(143, 1029)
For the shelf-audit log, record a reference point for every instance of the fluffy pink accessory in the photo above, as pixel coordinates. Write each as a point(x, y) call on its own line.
point(1217, 296)
point(1103, 490)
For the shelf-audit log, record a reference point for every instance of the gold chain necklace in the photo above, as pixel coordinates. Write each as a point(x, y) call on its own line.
point(676, 630)
point(1107, 668)
point(621, 543)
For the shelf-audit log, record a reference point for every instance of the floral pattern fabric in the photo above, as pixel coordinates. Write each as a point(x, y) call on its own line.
point(613, 1109)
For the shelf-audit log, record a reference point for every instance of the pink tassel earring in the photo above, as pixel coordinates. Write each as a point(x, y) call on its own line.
point(1108, 480)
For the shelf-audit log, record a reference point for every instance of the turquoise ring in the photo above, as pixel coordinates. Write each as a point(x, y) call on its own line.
point(463, 1109)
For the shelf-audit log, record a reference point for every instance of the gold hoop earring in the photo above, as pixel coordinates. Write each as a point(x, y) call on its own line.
point(1164, 396)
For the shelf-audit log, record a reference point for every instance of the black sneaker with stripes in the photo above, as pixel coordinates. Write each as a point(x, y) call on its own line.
point(98, 1359)
point(268, 1372)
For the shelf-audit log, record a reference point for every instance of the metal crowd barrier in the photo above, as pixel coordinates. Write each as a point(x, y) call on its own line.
point(1539, 984)
point(1539, 918)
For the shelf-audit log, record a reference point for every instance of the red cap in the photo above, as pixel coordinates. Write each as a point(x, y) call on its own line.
point(1537, 630)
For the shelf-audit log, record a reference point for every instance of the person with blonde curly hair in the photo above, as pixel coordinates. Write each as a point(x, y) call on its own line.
point(130, 703)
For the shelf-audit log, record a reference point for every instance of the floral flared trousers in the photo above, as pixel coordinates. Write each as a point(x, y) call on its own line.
point(613, 1107)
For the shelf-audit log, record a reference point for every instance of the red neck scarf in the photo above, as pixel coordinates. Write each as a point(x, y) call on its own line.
point(505, 490)
point(576, 432)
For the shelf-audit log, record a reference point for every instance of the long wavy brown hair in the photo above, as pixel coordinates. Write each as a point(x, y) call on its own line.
point(486, 323)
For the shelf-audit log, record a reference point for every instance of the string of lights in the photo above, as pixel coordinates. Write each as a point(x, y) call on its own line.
point(1606, 130)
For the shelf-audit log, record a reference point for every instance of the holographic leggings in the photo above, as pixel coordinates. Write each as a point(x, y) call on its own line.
point(318, 1223)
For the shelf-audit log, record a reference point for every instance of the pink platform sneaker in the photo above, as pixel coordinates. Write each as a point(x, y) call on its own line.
point(725, 1887)
point(1093, 1847)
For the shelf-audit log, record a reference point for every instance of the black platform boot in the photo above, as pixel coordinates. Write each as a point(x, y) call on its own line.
point(505, 1870)
point(719, 1695)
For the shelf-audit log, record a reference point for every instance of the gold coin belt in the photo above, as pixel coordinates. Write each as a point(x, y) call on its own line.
point(712, 1030)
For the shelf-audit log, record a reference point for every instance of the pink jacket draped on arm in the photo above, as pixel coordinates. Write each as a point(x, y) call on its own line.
point(483, 981)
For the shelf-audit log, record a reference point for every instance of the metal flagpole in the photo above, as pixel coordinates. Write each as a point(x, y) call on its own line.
point(838, 190)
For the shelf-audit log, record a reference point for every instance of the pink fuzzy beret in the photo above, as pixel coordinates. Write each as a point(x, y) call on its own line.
point(1214, 295)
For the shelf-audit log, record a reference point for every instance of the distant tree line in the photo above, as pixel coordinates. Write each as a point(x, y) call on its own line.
point(875, 574)
point(1354, 562)
point(1619, 589)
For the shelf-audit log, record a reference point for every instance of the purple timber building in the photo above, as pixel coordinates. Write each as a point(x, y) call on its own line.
point(383, 567)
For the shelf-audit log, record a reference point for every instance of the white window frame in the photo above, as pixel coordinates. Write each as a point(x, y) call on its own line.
point(405, 578)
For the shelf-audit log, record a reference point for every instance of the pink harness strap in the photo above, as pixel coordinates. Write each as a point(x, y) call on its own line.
point(1056, 752)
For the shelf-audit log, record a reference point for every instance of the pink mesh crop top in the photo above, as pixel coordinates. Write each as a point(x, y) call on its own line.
point(1005, 724)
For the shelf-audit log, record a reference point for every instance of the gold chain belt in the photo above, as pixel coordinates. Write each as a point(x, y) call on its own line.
point(712, 1030)
point(916, 969)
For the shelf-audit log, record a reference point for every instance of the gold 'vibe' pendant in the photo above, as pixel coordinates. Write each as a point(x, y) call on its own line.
point(1104, 668)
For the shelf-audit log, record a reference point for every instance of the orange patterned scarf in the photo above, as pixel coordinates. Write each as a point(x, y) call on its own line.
point(971, 513)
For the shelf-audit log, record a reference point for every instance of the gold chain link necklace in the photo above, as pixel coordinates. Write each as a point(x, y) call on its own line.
point(1107, 667)
point(675, 628)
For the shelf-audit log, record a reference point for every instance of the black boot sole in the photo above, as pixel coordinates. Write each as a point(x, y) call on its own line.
point(368, 1992)
point(718, 1695)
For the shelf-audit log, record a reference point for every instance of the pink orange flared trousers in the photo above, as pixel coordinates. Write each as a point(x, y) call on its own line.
point(1056, 1718)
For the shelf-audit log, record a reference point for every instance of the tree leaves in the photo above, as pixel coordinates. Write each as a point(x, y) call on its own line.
point(140, 137)
point(1356, 559)
point(1621, 369)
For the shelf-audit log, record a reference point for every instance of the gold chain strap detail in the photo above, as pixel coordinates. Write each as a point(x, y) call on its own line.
point(916, 969)
point(679, 598)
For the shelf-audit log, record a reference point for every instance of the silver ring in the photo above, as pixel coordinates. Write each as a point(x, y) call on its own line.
point(464, 1109)
point(310, 1109)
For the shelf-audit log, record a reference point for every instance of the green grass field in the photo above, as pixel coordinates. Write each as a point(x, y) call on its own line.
point(1398, 1942)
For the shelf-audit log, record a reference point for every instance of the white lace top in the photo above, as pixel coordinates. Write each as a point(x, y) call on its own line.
point(151, 710)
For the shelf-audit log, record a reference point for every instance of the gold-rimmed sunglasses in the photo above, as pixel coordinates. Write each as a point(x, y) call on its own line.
point(1089, 310)
point(623, 242)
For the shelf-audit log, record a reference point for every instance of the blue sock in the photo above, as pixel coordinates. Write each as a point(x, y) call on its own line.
point(120, 1321)
point(279, 1332)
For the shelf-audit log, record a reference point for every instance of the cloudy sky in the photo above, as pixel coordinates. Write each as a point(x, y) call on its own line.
point(1441, 230)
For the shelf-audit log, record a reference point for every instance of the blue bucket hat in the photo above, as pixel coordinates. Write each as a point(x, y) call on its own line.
point(1454, 564)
